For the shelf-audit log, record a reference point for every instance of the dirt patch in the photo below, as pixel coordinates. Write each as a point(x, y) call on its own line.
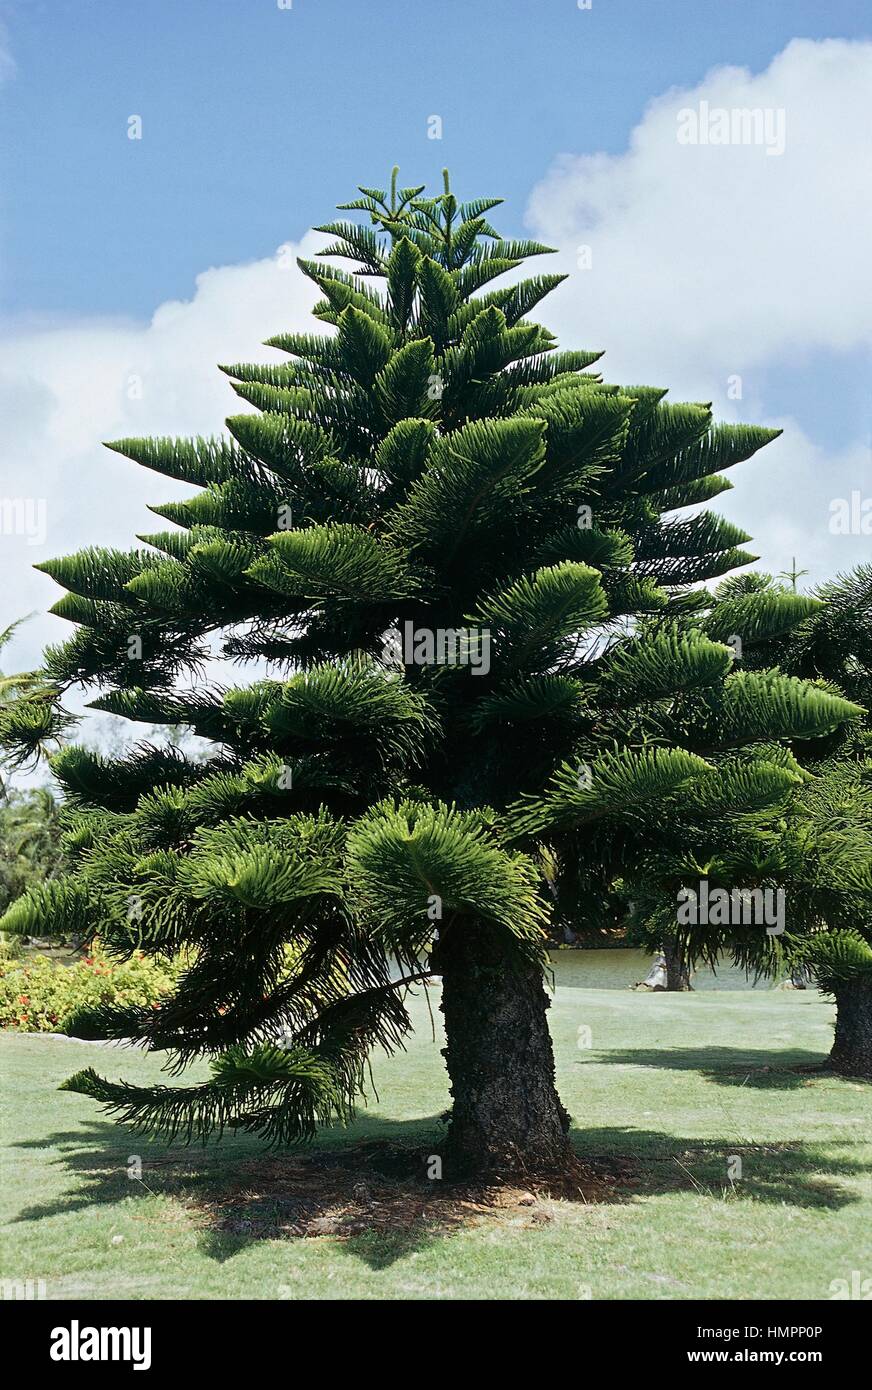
point(382, 1189)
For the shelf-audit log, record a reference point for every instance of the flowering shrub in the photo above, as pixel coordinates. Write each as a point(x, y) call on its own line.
point(39, 995)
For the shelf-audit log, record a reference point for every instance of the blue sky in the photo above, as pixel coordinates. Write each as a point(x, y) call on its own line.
point(147, 261)
point(257, 120)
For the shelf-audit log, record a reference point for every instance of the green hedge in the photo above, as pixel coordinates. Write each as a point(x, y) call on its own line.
point(40, 995)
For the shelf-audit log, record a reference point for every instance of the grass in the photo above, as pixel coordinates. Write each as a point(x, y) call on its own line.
point(670, 1090)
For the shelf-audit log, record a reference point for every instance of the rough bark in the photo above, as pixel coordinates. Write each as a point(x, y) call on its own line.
point(507, 1116)
point(852, 1045)
point(677, 969)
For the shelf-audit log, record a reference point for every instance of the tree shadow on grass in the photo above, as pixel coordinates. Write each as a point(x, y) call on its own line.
point(647, 1163)
point(369, 1196)
point(759, 1069)
point(366, 1186)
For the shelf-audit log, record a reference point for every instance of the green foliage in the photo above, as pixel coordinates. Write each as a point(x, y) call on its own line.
point(759, 616)
point(282, 1095)
point(836, 957)
point(416, 864)
point(797, 820)
point(56, 907)
point(30, 722)
point(30, 842)
point(652, 665)
point(42, 995)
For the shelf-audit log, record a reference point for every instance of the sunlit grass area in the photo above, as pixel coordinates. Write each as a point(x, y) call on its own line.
point(730, 1168)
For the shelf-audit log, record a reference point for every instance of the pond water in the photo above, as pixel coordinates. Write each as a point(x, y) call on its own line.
point(620, 969)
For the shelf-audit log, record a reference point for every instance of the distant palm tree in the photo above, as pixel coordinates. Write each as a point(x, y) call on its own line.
point(30, 850)
point(13, 686)
point(28, 721)
point(30, 831)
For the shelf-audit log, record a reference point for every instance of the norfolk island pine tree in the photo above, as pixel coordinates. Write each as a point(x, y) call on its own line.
point(834, 645)
point(825, 636)
point(817, 847)
point(430, 464)
point(754, 616)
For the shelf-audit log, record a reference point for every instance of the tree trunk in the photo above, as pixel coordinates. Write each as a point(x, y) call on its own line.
point(852, 1045)
point(677, 970)
point(507, 1116)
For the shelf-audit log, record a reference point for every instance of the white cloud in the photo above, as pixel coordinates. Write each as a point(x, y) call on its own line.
point(64, 389)
point(784, 498)
point(713, 261)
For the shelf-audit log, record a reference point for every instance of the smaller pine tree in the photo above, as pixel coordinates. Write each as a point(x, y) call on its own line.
point(815, 847)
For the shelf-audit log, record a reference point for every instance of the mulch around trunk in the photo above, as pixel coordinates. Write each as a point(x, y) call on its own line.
point(382, 1188)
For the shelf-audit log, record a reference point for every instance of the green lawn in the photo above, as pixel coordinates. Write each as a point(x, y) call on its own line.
point(669, 1089)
